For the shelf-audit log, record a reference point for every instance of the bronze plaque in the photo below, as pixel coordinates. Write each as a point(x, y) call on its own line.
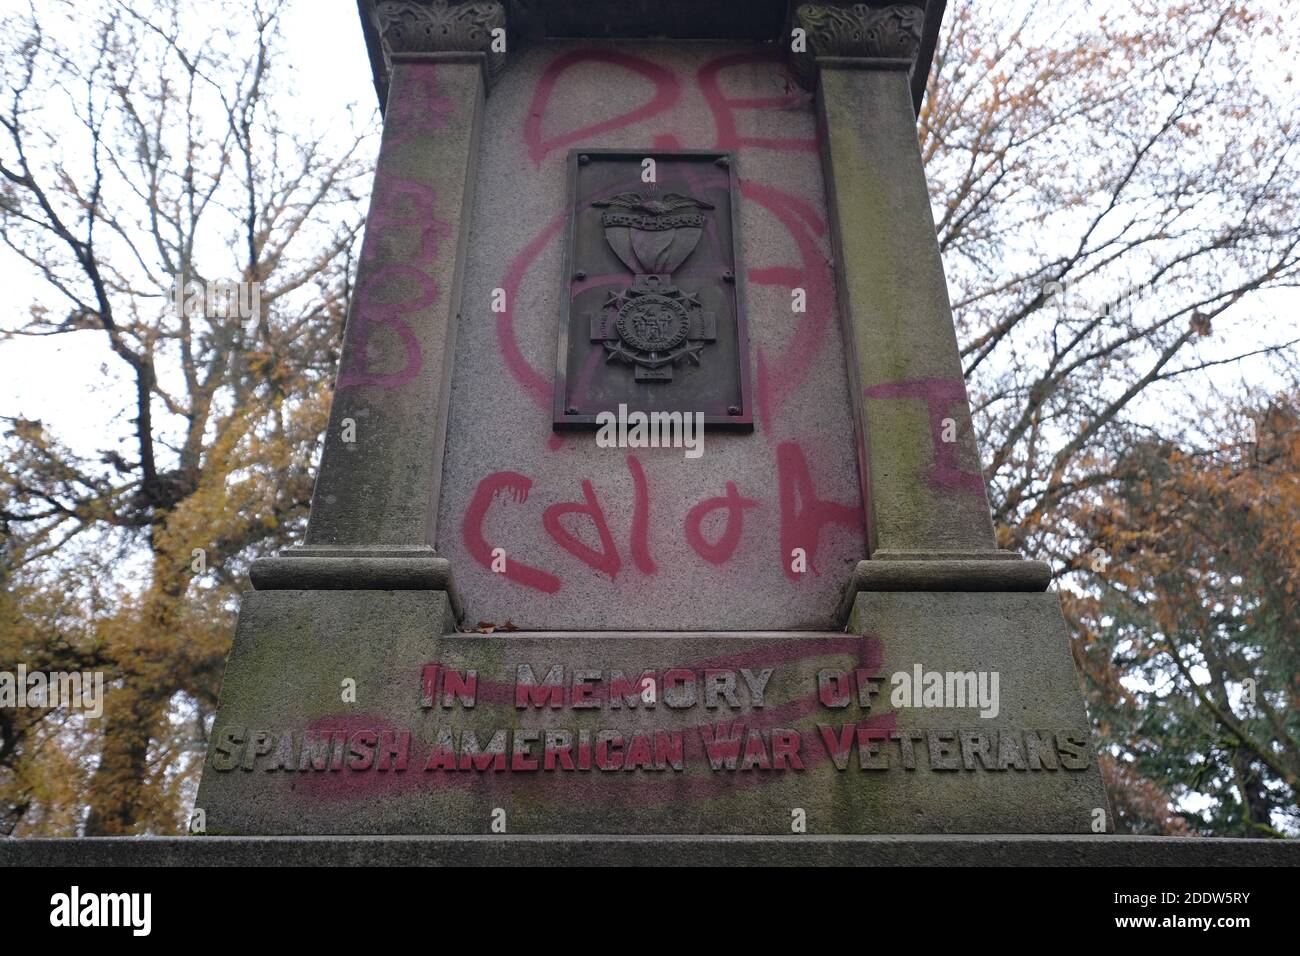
point(653, 319)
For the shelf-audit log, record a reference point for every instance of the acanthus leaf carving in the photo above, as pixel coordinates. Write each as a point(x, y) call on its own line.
point(857, 31)
point(442, 27)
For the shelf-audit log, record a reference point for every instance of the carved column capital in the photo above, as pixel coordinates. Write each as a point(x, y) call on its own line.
point(441, 26)
point(856, 32)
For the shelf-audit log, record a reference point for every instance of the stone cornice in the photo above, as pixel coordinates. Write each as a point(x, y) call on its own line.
point(442, 27)
point(738, 21)
point(856, 32)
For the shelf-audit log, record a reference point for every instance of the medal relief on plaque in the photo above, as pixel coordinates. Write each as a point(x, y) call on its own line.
point(653, 317)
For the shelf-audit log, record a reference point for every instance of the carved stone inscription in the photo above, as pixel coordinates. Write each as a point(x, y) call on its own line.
point(731, 731)
point(653, 319)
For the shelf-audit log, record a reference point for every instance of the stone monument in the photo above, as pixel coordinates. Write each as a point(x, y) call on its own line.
point(650, 501)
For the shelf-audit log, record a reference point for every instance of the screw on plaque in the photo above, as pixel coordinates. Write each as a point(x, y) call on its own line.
point(580, 274)
point(583, 159)
point(733, 409)
point(723, 161)
point(728, 276)
point(570, 410)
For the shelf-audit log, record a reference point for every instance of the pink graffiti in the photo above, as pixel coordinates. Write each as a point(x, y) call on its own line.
point(724, 108)
point(420, 108)
point(529, 379)
point(803, 514)
point(779, 378)
point(370, 315)
point(517, 487)
point(640, 519)
point(606, 560)
point(940, 396)
point(720, 551)
point(347, 785)
point(667, 90)
point(397, 203)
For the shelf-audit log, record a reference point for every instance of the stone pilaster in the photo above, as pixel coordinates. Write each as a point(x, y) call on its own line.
point(374, 511)
point(929, 523)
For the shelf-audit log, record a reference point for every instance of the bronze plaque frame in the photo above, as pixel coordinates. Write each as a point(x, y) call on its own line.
point(653, 314)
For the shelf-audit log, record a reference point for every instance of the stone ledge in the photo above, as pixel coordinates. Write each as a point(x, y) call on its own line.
point(323, 568)
point(1000, 572)
point(997, 574)
point(946, 850)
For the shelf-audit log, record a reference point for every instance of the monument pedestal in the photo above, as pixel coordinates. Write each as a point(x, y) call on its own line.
point(354, 712)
